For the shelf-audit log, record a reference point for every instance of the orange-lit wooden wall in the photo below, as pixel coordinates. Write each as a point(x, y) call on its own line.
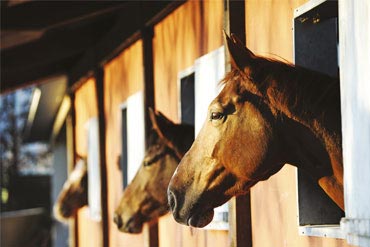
point(274, 202)
point(86, 108)
point(192, 30)
point(123, 77)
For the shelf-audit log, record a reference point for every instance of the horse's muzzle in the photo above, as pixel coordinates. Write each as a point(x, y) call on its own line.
point(174, 201)
point(118, 220)
point(171, 200)
point(195, 215)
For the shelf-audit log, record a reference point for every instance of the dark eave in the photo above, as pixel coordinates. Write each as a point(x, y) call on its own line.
point(42, 38)
point(53, 14)
point(56, 44)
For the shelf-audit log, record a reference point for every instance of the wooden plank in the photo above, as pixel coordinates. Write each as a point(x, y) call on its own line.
point(71, 152)
point(149, 101)
point(240, 232)
point(151, 231)
point(151, 238)
point(99, 86)
point(234, 22)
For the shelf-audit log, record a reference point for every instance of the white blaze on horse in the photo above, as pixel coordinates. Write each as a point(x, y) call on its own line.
point(73, 194)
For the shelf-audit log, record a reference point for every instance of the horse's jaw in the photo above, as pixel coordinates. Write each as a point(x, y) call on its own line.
point(192, 200)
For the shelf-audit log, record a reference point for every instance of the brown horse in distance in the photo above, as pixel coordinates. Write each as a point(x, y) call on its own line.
point(145, 198)
point(74, 193)
point(269, 113)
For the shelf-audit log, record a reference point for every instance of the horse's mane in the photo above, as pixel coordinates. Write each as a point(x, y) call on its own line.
point(309, 97)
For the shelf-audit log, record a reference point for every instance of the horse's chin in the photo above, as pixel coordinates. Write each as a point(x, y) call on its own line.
point(133, 226)
point(132, 229)
point(201, 219)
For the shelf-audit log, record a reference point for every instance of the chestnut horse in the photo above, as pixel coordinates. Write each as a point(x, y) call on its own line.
point(74, 193)
point(269, 113)
point(145, 198)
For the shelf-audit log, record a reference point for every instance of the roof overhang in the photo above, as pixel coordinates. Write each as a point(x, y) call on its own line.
point(55, 45)
point(40, 39)
point(46, 107)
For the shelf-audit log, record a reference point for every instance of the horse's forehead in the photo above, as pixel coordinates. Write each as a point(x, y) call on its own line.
point(228, 95)
point(77, 173)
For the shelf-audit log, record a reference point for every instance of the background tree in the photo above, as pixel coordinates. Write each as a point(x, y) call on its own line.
point(14, 109)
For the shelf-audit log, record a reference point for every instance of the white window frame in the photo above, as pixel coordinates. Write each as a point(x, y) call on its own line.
point(354, 60)
point(135, 133)
point(208, 71)
point(93, 169)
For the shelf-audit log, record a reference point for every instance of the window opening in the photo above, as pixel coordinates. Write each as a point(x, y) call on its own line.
point(316, 48)
point(123, 158)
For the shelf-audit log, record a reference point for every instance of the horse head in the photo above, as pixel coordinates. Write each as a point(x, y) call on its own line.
point(74, 192)
point(145, 198)
point(241, 142)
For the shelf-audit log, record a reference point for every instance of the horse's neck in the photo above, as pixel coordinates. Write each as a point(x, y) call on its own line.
point(319, 155)
point(309, 151)
point(306, 96)
point(309, 103)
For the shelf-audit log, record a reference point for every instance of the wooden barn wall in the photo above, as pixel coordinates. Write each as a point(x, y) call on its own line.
point(192, 30)
point(86, 108)
point(274, 202)
point(123, 77)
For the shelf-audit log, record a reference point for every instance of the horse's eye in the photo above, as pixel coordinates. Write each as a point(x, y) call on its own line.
point(147, 163)
point(216, 115)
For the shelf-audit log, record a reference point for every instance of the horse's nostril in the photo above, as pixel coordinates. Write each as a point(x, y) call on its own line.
point(118, 220)
point(171, 200)
point(175, 202)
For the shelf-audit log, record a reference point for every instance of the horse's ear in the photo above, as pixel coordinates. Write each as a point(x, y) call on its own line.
point(241, 56)
point(161, 124)
point(167, 131)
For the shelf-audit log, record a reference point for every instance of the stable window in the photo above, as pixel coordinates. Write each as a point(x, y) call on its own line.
point(133, 136)
point(123, 157)
point(316, 48)
point(198, 86)
point(93, 169)
point(187, 93)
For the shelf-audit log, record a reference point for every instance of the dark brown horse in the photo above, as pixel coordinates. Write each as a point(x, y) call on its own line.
point(145, 198)
point(74, 193)
point(269, 113)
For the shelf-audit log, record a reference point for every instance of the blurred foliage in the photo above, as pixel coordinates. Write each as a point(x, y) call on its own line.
point(18, 159)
